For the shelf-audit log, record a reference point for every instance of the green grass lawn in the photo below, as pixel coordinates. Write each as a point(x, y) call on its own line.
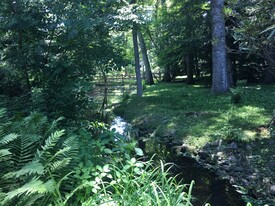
point(191, 113)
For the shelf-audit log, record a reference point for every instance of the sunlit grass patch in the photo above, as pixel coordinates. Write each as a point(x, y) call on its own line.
point(192, 113)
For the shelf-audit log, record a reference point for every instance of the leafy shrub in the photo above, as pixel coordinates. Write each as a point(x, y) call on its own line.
point(237, 92)
point(41, 164)
point(236, 95)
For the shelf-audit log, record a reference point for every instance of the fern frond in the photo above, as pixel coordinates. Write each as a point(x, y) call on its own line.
point(2, 113)
point(33, 168)
point(53, 126)
point(5, 154)
point(72, 142)
point(34, 200)
point(35, 123)
point(50, 144)
point(8, 138)
point(70, 149)
point(53, 139)
point(57, 165)
point(61, 153)
point(34, 186)
point(23, 150)
point(2, 196)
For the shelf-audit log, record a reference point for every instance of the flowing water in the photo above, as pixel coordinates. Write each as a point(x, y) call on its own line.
point(208, 188)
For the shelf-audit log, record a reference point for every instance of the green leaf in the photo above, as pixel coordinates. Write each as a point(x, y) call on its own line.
point(98, 167)
point(139, 164)
point(139, 152)
point(137, 170)
point(118, 174)
point(106, 168)
point(107, 151)
point(126, 167)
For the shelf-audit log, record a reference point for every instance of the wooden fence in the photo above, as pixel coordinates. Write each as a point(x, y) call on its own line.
point(109, 86)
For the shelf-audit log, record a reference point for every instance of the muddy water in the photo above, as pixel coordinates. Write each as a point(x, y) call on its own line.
point(207, 189)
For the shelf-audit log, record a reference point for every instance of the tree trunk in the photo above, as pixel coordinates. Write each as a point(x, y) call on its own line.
point(220, 75)
point(268, 76)
point(229, 70)
point(137, 66)
point(149, 76)
point(197, 69)
point(189, 68)
point(167, 75)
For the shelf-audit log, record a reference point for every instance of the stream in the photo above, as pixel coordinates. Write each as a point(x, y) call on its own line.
point(207, 189)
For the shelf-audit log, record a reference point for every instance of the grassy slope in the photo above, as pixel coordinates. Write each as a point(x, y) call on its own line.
point(194, 115)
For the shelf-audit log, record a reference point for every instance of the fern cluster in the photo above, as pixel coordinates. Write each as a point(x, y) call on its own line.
point(35, 156)
point(42, 165)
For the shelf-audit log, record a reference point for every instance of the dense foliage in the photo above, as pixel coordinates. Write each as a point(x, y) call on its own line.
point(183, 35)
point(50, 50)
point(41, 164)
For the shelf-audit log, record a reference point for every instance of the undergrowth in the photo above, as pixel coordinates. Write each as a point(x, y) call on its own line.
point(42, 164)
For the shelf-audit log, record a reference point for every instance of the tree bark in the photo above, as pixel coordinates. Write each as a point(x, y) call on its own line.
point(189, 68)
point(220, 74)
point(137, 65)
point(166, 75)
point(149, 76)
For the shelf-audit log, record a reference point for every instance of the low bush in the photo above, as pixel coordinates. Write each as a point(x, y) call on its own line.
point(43, 164)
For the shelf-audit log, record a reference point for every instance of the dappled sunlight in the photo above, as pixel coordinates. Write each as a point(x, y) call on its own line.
point(251, 109)
point(195, 115)
point(197, 86)
point(155, 92)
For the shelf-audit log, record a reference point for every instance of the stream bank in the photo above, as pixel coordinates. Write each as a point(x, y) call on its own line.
point(209, 188)
point(233, 167)
point(234, 141)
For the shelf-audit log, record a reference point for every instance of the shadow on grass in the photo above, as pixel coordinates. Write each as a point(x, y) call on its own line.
point(191, 112)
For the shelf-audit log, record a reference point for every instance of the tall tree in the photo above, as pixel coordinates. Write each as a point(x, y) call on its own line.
point(137, 64)
point(219, 68)
point(135, 45)
point(143, 49)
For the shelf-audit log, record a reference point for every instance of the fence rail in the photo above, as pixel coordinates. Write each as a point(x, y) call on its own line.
point(108, 86)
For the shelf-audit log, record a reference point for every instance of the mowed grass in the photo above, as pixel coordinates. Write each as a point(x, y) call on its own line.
point(191, 113)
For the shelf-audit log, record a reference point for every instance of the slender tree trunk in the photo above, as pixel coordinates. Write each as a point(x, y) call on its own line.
point(149, 76)
point(220, 75)
point(229, 70)
point(137, 66)
point(167, 75)
point(197, 69)
point(268, 76)
point(189, 68)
